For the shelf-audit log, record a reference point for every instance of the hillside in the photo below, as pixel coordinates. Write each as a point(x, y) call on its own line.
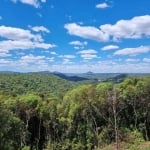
point(50, 113)
point(16, 83)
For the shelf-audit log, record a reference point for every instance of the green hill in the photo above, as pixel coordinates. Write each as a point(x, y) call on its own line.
point(15, 83)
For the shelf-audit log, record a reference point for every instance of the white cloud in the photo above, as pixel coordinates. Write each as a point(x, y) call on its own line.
point(135, 28)
point(133, 51)
point(146, 60)
point(88, 51)
point(22, 45)
point(40, 28)
point(43, 1)
point(67, 56)
point(4, 54)
point(103, 68)
point(4, 61)
point(132, 60)
point(78, 43)
point(31, 58)
point(78, 47)
point(102, 5)
point(20, 39)
point(41, 64)
point(31, 62)
point(28, 63)
point(66, 61)
point(88, 54)
point(86, 32)
point(35, 3)
point(53, 53)
point(51, 59)
point(13, 33)
point(110, 47)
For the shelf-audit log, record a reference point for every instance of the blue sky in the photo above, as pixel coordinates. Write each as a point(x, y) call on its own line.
point(75, 36)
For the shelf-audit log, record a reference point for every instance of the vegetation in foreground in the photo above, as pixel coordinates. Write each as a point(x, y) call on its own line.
point(34, 115)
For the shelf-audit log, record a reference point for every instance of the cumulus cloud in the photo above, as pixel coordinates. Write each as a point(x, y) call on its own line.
point(78, 43)
point(42, 65)
point(102, 5)
point(13, 33)
point(135, 28)
point(8, 45)
point(67, 56)
point(88, 54)
point(4, 54)
point(20, 39)
point(87, 32)
point(28, 63)
point(110, 47)
point(133, 51)
point(132, 60)
point(66, 61)
point(40, 29)
point(146, 60)
point(88, 51)
point(51, 59)
point(53, 53)
point(31, 58)
point(35, 3)
point(4, 62)
point(33, 63)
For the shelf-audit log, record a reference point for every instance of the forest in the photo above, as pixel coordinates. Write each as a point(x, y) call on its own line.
point(46, 112)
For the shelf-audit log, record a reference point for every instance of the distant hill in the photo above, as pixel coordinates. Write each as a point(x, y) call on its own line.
point(117, 79)
point(74, 78)
point(98, 76)
point(89, 73)
point(105, 76)
point(50, 84)
point(88, 77)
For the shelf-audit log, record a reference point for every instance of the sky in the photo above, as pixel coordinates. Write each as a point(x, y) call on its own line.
point(75, 36)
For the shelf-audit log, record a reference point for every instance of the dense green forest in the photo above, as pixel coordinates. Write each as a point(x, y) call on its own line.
point(45, 112)
point(49, 84)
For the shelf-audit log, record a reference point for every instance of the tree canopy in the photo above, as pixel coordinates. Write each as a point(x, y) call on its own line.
point(51, 114)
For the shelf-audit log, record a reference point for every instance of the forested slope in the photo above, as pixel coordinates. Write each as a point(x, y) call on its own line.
point(87, 117)
point(15, 83)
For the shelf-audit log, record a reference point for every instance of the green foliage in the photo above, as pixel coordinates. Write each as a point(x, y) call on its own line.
point(38, 112)
point(26, 148)
point(11, 129)
point(17, 84)
point(134, 138)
